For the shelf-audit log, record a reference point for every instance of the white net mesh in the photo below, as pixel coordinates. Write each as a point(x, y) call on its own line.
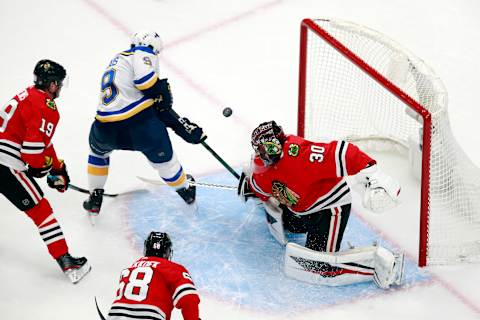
point(342, 101)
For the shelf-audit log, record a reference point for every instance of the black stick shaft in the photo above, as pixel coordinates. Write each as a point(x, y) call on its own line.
point(82, 190)
point(233, 172)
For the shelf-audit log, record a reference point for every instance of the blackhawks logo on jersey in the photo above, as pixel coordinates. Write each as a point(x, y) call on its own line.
point(283, 194)
point(51, 104)
point(293, 149)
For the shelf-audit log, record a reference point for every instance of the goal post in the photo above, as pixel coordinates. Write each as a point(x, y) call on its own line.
point(358, 85)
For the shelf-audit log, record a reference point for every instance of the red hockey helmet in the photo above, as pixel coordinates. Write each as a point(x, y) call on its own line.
point(267, 141)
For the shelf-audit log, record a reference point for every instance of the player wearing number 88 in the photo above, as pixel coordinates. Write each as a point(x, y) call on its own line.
point(27, 125)
point(153, 285)
point(303, 187)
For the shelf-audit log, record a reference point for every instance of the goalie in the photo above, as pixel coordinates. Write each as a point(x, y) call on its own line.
point(304, 190)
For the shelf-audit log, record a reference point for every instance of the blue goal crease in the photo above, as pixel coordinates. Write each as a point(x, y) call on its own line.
point(231, 255)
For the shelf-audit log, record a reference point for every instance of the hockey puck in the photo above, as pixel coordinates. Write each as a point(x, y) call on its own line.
point(227, 112)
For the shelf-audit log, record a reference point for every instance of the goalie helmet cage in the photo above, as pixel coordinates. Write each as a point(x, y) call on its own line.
point(358, 85)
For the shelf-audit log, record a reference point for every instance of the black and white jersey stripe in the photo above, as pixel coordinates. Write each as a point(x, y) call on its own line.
point(32, 147)
point(125, 311)
point(183, 290)
point(340, 162)
point(338, 196)
point(10, 155)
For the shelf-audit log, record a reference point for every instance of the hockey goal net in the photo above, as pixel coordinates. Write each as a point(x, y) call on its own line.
point(358, 85)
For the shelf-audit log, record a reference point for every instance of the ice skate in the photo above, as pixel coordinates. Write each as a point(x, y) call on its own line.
point(389, 268)
point(93, 204)
point(188, 194)
point(74, 268)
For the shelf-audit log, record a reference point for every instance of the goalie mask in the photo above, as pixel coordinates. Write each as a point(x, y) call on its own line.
point(158, 244)
point(267, 141)
point(147, 38)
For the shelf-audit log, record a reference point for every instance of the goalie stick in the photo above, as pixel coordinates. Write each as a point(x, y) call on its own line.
point(192, 183)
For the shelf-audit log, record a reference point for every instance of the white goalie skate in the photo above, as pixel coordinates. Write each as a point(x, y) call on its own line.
point(389, 268)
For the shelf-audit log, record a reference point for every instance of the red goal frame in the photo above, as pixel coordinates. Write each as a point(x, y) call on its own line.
point(308, 24)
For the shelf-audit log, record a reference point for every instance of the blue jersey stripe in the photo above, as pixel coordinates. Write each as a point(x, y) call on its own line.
point(145, 78)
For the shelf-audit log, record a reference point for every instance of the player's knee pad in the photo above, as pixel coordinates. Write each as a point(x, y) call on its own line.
point(40, 212)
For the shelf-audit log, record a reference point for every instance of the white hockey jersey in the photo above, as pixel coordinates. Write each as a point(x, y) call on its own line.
point(128, 73)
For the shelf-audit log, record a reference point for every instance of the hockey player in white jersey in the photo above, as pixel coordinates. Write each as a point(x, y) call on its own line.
point(133, 114)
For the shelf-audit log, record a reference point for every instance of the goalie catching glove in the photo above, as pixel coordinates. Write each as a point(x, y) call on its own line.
point(382, 191)
point(58, 178)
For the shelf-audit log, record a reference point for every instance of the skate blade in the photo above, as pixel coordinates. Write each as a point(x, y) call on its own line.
point(92, 216)
point(193, 207)
point(75, 275)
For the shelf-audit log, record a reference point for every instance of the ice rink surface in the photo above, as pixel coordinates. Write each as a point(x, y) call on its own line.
point(244, 55)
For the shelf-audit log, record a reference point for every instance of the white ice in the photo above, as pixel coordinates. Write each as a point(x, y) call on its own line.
point(240, 54)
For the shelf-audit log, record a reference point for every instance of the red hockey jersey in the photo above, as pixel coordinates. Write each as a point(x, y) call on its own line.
point(310, 175)
point(27, 125)
point(151, 287)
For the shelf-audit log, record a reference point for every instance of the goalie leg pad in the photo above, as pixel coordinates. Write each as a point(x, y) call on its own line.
point(331, 269)
point(273, 214)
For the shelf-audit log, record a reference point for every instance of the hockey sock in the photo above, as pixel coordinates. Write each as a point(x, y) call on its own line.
point(49, 229)
point(97, 171)
point(172, 173)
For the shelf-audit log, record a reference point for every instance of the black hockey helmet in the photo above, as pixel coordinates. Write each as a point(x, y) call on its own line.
point(47, 71)
point(158, 244)
point(267, 141)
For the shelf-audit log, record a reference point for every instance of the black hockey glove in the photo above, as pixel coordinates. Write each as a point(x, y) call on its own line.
point(165, 100)
point(189, 131)
point(243, 189)
point(59, 178)
point(39, 172)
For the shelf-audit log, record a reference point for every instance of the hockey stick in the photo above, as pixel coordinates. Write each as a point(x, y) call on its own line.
point(209, 149)
point(98, 310)
point(192, 183)
point(82, 190)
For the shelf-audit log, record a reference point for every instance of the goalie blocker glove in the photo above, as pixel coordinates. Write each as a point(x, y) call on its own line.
point(243, 189)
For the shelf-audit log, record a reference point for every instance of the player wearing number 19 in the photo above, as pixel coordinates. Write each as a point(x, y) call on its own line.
point(153, 285)
point(303, 187)
point(27, 125)
point(133, 114)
